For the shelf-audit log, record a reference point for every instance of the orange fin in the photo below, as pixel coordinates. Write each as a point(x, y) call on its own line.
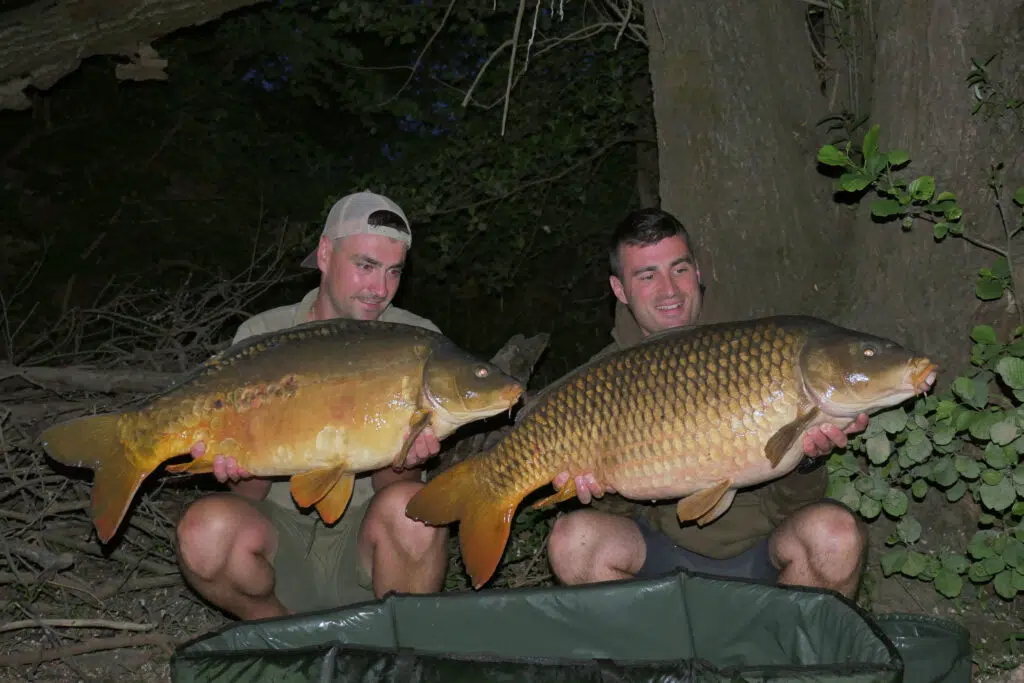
point(485, 520)
point(781, 441)
point(703, 502)
point(309, 487)
point(567, 492)
point(95, 442)
point(332, 506)
point(203, 465)
point(420, 419)
point(723, 504)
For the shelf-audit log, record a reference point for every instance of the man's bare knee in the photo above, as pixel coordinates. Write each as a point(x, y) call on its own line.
point(821, 545)
point(211, 529)
point(587, 546)
point(387, 523)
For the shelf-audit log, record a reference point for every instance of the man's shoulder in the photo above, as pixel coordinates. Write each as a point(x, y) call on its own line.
point(270, 320)
point(394, 314)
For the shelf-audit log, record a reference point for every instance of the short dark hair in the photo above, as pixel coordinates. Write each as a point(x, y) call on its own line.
point(644, 227)
point(387, 219)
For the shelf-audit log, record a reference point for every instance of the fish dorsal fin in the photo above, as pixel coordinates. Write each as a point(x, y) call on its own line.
point(783, 439)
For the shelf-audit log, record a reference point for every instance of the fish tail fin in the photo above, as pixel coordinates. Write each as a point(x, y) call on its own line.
point(94, 441)
point(485, 519)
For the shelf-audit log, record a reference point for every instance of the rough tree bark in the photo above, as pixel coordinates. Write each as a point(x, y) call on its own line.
point(45, 41)
point(736, 101)
point(904, 284)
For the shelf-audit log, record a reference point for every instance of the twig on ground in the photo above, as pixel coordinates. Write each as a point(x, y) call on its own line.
point(95, 645)
point(75, 623)
point(41, 556)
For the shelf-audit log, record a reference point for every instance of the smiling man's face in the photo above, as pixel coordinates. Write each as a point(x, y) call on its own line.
point(660, 283)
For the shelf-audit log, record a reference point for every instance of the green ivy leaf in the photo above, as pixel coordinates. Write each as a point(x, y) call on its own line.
point(945, 197)
point(969, 468)
point(956, 491)
point(869, 507)
point(984, 334)
point(998, 497)
point(895, 503)
point(954, 562)
point(1011, 369)
point(885, 207)
point(977, 573)
point(948, 583)
point(988, 288)
point(922, 188)
point(1004, 432)
point(995, 456)
point(993, 565)
point(898, 157)
point(1014, 553)
point(892, 421)
point(919, 489)
point(1018, 196)
point(943, 473)
point(1004, 584)
point(893, 561)
point(908, 529)
point(870, 144)
point(879, 449)
point(915, 564)
point(980, 545)
point(831, 156)
point(964, 388)
point(854, 182)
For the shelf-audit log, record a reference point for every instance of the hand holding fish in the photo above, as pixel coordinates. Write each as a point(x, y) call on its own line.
point(821, 440)
point(224, 468)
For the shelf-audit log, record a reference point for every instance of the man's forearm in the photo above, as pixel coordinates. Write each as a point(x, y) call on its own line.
point(253, 489)
point(387, 476)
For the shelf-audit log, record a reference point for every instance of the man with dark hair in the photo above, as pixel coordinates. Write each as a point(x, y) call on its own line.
point(251, 551)
point(783, 531)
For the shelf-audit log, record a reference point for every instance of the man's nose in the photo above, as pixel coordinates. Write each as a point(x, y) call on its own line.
point(379, 284)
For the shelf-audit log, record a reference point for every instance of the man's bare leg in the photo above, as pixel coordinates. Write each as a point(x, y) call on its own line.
point(225, 549)
point(587, 546)
point(399, 553)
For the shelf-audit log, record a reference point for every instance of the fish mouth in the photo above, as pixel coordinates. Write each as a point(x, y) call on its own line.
point(924, 379)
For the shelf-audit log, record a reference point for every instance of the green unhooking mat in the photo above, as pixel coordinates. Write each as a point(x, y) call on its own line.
point(681, 627)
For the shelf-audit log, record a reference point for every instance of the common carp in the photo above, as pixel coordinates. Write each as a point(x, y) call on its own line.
point(321, 402)
point(692, 413)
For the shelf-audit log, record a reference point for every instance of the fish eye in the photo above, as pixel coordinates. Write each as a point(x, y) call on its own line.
point(481, 372)
point(869, 351)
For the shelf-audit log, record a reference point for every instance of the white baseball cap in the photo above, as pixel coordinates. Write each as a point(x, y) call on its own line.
point(350, 216)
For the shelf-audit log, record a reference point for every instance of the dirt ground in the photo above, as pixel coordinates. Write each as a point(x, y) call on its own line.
point(141, 590)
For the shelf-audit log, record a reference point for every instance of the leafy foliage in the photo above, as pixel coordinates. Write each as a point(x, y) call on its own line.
point(966, 441)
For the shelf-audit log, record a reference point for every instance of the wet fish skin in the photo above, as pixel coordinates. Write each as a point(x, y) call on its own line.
point(319, 402)
point(693, 413)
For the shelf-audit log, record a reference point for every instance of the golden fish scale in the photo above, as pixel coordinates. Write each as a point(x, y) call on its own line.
point(226, 401)
point(708, 401)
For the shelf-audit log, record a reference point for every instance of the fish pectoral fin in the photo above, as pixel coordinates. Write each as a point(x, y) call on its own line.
point(308, 488)
point(783, 439)
point(332, 506)
point(703, 502)
point(419, 420)
point(567, 492)
point(723, 504)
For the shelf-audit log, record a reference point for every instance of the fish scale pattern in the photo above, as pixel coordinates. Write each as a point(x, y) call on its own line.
point(706, 401)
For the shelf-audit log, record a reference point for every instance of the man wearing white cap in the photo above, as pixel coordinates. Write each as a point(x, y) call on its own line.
point(252, 552)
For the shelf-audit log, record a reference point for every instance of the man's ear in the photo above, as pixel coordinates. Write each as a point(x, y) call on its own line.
point(618, 289)
point(324, 251)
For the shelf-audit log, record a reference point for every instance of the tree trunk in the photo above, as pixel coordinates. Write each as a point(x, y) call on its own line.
point(905, 285)
point(736, 101)
point(45, 41)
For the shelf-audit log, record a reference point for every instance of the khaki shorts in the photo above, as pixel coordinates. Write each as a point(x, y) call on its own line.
point(317, 567)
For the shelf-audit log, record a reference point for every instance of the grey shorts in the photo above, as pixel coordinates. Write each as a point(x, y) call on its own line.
point(664, 556)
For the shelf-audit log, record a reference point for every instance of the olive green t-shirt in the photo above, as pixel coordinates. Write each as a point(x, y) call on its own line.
point(755, 512)
point(283, 317)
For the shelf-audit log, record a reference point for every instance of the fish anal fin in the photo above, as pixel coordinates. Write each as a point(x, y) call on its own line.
point(567, 492)
point(332, 506)
point(419, 420)
point(703, 502)
point(308, 488)
point(723, 504)
point(783, 439)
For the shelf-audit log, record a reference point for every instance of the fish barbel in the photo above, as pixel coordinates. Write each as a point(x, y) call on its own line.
point(321, 402)
point(692, 413)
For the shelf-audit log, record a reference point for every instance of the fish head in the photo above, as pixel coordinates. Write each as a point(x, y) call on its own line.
point(849, 372)
point(460, 389)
